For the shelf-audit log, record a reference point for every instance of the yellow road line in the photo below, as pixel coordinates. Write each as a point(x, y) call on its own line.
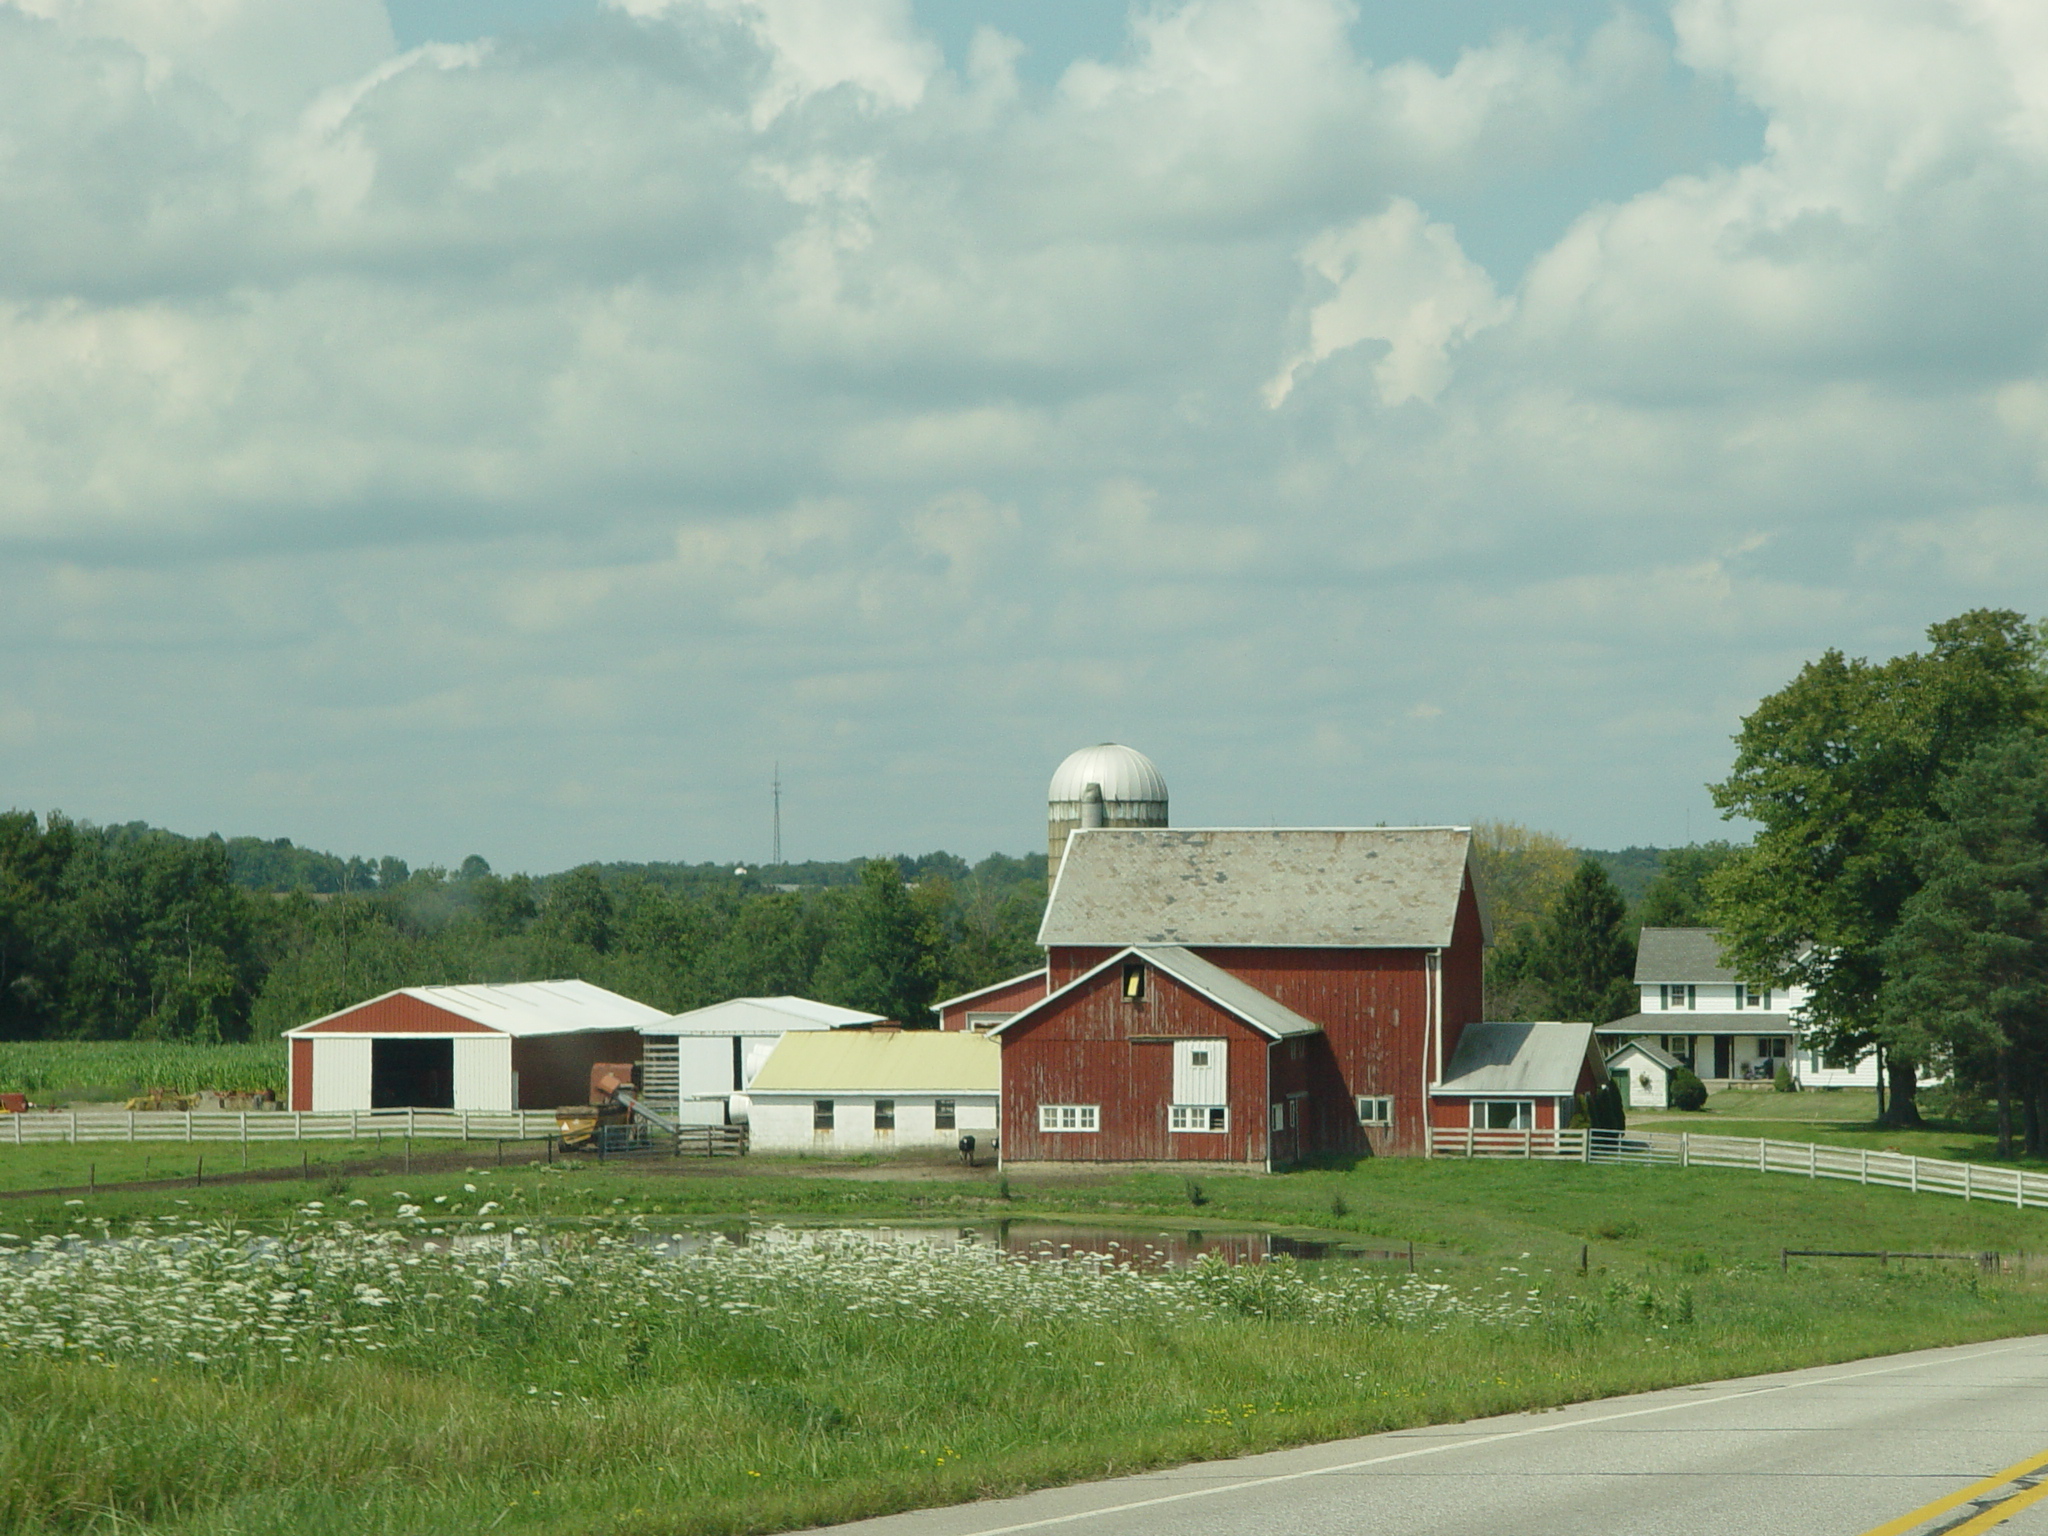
point(2001, 1512)
point(1927, 1512)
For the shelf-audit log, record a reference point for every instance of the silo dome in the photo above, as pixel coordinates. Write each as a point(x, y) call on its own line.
point(1132, 787)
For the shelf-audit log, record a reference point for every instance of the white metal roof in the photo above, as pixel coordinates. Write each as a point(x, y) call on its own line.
point(1502, 1058)
point(1122, 772)
point(759, 1016)
point(1310, 887)
point(521, 1007)
point(1233, 995)
point(994, 986)
point(881, 1061)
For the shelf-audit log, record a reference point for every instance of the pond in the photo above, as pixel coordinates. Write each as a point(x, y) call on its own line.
point(1144, 1248)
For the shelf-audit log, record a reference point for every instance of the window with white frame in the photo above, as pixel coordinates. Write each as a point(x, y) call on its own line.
point(1503, 1114)
point(1198, 1117)
point(1747, 996)
point(1276, 1117)
point(1677, 994)
point(1068, 1117)
point(1376, 1110)
point(1679, 1046)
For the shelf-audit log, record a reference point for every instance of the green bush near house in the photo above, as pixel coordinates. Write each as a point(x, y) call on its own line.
point(1782, 1082)
point(1687, 1091)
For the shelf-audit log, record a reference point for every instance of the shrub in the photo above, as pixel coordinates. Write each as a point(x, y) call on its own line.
point(1687, 1091)
point(1782, 1082)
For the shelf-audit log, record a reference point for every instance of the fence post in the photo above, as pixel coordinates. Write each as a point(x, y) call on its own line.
point(409, 1125)
point(355, 1125)
point(1528, 1144)
point(1966, 1181)
point(1913, 1174)
point(1763, 1154)
point(1863, 1177)
point(131, 1125)
point(1685, 1149)
point(1813, 1160)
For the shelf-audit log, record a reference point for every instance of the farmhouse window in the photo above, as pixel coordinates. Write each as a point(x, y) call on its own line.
point(885, 1114)
point(943, 1116)
point(1678, 994)
point(821, 1114)
point(1377, 1110)
point(1679, 1046)
point(1068, 1117)
point(1503, 1114)
point(1747, 996)
point(1134, 981)
point(1199, 1117)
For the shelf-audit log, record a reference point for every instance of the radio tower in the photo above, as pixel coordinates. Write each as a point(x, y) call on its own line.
point(778, 815)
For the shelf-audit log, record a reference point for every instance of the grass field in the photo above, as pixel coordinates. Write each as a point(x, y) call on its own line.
point(116, 1069)
point(604, 1387)
point(1845, 1117)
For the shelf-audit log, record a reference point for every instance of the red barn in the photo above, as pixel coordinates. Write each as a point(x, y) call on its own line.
point(986, 1007)
point(1246, 995)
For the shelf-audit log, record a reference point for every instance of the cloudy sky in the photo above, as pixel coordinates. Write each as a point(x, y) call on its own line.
point(513, 426)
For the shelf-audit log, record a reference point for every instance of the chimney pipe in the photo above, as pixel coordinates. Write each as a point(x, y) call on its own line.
point(1091, 806)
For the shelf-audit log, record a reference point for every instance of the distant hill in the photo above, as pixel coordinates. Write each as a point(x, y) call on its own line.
point(1631, 869)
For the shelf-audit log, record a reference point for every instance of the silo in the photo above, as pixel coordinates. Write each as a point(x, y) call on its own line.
point(1132, 790)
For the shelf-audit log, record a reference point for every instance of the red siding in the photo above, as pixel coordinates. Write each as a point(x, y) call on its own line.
point(1464, 970)
point(302, 1074)
point(1084, 1053)
point(400, 1015)
point(1010, 999)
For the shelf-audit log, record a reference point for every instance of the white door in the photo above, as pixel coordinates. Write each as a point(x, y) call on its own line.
point(341, 1073)
point(1201, 1072)
point(483, 1072)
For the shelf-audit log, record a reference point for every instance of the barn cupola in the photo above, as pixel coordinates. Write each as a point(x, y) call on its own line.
point(1105, 786)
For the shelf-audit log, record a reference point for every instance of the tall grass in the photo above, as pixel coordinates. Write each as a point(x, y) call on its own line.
point(129, 1066)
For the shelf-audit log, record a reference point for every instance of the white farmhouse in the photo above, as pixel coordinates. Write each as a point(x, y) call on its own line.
point(876, 1090)
point(696, 1061)
point(1693, 1010)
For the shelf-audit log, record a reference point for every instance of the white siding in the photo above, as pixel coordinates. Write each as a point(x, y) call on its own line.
point(779, 1124)
point(483, 1072)
point(341, 1074)
point(1201, 1071)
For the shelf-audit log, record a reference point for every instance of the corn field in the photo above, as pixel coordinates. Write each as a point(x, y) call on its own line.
point(131, 1066)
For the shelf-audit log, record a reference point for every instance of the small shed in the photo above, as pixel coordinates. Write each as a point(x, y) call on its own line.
point(522, 1045)
point(995, 1004)
point(1516, 1077)
point(875, 1090)
point(1643, 1072)
point(696, 1061)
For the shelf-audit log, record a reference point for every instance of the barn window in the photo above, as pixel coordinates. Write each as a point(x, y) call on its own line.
point(1276, 1116)
point(944, 1116)
point(1134, 981)
point(821, 1114)
point(885, 1114)
point(1503, 1114)
point(1199, 1117)
point(1378, 1110)
point(1068, 1117)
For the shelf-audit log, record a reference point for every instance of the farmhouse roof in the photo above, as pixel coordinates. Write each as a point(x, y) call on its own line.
point(1300, 887)
point(512, 1008)
point(760, 1016)
point(881, 1061)
point(1233, 996)
point(1681, 955)
point(1517, 1058)
point(995, 986)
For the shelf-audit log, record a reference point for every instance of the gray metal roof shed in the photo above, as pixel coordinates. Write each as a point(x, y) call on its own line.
point(1502, 1058)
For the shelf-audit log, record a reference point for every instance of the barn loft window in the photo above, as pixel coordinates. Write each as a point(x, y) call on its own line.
point(1134, 981)
point(1377, 1110)
point(1199, 1117)
point(885, 1114)
point(944, 1116)
point(1069, 1117)
point(821, 1114)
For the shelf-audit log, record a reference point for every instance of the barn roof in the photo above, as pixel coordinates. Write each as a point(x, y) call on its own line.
point(1680, 955)
point(1306, 887)
point(510, 1008)
point(1517, 1058)
point(995, 986)
point(760, 1016)
point(881, 1061)
point(1238, 998)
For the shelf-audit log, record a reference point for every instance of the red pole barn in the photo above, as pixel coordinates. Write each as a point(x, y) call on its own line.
point(1245, 996)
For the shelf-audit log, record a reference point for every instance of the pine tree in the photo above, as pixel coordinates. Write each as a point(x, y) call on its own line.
point(1584, 956)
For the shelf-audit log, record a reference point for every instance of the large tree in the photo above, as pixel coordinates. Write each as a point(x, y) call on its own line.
point(1840, 769)
point(1520, 873)
point(1584, 957)
point(883, 952)
point(1966, 970)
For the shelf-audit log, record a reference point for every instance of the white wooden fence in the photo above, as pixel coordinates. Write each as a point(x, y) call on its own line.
point(1802, 1159)
point(39, 1126)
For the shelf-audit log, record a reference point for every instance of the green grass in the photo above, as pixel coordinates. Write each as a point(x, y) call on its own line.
point(1845, 1117)
point(686, 1423)
point(105, 1069)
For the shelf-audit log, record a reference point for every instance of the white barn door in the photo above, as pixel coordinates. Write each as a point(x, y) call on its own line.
point(1201, 1072)
point(341, 1073)
point(483, 1072)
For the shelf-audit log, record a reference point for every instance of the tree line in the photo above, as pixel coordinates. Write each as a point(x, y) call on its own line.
point(130, 932)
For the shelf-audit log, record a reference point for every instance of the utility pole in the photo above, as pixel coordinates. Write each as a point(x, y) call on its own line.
point(778, 815)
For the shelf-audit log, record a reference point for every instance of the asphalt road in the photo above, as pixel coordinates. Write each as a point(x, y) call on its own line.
point(1846, 1450)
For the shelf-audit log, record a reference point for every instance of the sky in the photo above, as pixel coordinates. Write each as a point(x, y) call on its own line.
point(517, 427)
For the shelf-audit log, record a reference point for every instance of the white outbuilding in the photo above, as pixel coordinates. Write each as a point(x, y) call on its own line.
point(521, 1045)
point(876, 1090)
point(1643, 1073)
point(696, 1061)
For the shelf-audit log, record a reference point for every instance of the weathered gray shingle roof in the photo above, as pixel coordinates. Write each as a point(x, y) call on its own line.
point(1364, 887)
point(1517, 1058)
point(1681, 954)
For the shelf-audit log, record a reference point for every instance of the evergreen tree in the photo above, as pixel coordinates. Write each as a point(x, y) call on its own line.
point(1583, 954)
